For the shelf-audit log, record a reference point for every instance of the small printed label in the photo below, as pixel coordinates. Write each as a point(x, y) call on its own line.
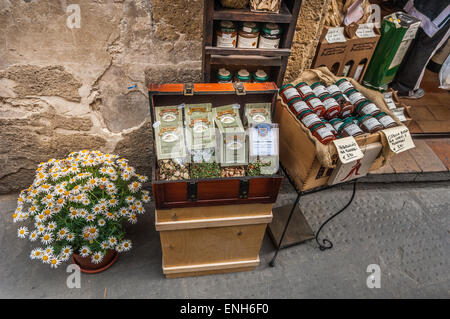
point(335, 35)
point(300, 106)
point(315, 102)
point(305, 89)
point(369, 108)
point(346, 85)
point(355, 97)
point(329, 103)
point(333, 89)
point(411, 32)
point(352, 129)
point(365, 30)
point(226, 41)
point(324, 132)
point(236, 106)
point(400, 54)
point(399, 113)
point(319, 90)
point(247, 43)
point(371, 123)
point(386, 120)
point(399, 139)
point(265, 43)
point(347, 149)
point(310, 119)
point(291, 92)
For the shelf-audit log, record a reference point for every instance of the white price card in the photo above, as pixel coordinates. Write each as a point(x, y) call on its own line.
point(335, 35)
point(365, 30)
point(348, 150)
point(399, 139)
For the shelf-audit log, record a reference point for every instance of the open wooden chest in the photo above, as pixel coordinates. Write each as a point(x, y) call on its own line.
point(212, 191)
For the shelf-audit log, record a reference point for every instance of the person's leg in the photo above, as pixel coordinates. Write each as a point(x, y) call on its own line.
point(410, 73)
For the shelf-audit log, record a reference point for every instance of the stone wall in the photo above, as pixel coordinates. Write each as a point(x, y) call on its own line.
point(66, 68)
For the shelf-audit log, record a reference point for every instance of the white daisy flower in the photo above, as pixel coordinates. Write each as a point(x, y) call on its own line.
point(134, 187)
point(126, 244)
point(46, 258)
point(54, 262)
point(70, 237)
point(101, 222)
point(64, 257)
point(119, 248)
point(47, 238)
point(62, 233)
point(132, 219)
point(22, 232)
point(130, 199)
point(85, 251)
point(33, 235)
point(51, 226)
point(145, 198)
point(90, 217)
point(112, 241)
point(97, 257)
point(36, 253)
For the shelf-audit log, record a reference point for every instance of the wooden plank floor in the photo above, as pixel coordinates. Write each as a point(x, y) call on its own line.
point(430, 114)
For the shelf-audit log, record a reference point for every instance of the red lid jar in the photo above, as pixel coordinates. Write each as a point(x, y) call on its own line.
point(332, 107)
point(344, 85)
point(322, 133)
point(356, 97)
point(287, 92)
point(347, 108)
point(367, 107)
point(369, 124)
point(315, 104)
point(385, 120)
point(309, 118)
point(334, 90)
point(297, 106)
point(329, 126)
point(304, 89)
point(348, 128)
point(319, 89)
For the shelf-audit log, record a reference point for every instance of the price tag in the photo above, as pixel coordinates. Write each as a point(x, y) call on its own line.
point(348, 150)
point(365, 30)
point(399, 139)
point(335, 35)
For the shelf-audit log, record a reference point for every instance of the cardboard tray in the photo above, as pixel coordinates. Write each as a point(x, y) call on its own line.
point(213, 191)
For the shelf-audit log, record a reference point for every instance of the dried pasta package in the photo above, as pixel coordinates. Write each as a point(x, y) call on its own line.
point(263, 149)
point(173, 161)
point(231, 139)
point(201, 141)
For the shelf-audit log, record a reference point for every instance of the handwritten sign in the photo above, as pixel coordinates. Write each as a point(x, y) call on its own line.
point(335, 35)
point(365, 30)
point(399, 139)
point(348, 150)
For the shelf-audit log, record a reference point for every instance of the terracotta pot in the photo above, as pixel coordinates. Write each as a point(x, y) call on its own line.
point(87, 266)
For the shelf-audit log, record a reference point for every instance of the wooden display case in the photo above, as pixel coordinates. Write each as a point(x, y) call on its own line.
point(273, 61)
point(213, 191)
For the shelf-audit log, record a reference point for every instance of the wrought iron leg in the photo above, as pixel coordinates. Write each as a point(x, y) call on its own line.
point(297, 200)
point(327, 244)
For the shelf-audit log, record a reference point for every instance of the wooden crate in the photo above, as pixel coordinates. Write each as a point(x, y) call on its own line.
point(298, 153)
point(213, 191)
point(211, 240)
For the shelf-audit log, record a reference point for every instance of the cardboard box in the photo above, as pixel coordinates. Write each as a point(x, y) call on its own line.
point(331, 55)
point(359, 52)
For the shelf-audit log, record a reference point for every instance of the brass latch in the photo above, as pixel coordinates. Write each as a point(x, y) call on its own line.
point(239, 88)
point(188, 89)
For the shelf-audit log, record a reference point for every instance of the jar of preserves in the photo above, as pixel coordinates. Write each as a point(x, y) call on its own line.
point(315, 104)
point(344, 85)
point(243, 76)
point(349, 128)
point(309, 118)
point(369, 124)
point(270, 36)
point(287, 92)
point(355, 97)
point(226, 35)
point(319, 89)
point(333, 90)
point(329, 126)
point(260, 76)
point(385, 120)
point(304, 89)
point(297, 106)
point(224, 76)
point(367, 107)
point(248, 35)
point(332, 107)
point(322, 133)
point(347, 108)
point(337, 123)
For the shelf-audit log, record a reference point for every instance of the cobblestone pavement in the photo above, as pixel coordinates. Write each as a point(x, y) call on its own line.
point(403, 228)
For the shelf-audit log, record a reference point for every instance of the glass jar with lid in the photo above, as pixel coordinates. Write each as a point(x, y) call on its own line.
point(304, 89)
point(270, 36)
point(332, 107)
point(386, 120)
point(224, 76)
point(319, 89)
point(248, 35)
point(288, 91)
point(315, 104)
point(349, 128)
point(355, 96)
point(243, 76)
point(226, 35)
point(369, 124)
point(309, 118)
point(260, 76)
point(322, 133)
point(344, 85)
point(366, 107)
point(297, 106)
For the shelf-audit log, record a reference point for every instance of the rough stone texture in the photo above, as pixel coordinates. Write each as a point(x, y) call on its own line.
point(308, 30)
point(64, 89)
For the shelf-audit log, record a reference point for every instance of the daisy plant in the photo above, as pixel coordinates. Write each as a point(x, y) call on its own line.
point(78, 205)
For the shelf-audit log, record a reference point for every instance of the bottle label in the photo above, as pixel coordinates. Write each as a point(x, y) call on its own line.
point(248, 43)
point(226, 41)
point(344, 86)
point(355, 97)
point(353, 129)
point(290, 93)
point(305, 89)
point(310, 119)
point(333, 89)
point(329, 103)
point(319, 90)
point(324, 132)
point(371, 123)
point(386, 120)
point(265, 43)
point(315, 102)
point(300, 106)
point(369, 108)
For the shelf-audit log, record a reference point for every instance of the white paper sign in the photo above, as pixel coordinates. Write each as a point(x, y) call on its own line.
point(399, 139)
point(335, 35)
point(365, 30)
point(347, 149)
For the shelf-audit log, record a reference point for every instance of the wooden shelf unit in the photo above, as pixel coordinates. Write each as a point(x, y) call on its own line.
point(273, 61)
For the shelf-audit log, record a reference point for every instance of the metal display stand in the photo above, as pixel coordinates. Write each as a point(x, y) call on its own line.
point(305, 233)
